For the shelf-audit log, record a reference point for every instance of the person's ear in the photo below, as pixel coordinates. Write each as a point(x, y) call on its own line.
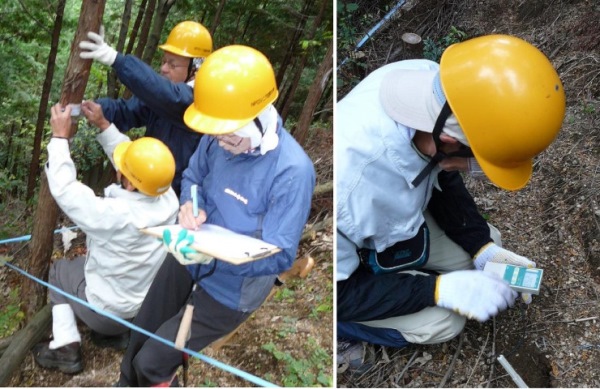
point(127, 185)
point(448, 139)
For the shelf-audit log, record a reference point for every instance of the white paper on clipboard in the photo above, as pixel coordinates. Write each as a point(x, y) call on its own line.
point(222, 243)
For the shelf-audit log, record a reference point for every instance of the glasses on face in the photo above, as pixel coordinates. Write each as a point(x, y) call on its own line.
point(230, 139)
point(171, 64)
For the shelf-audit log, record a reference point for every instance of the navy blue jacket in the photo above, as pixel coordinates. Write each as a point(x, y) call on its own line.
point(158, 104)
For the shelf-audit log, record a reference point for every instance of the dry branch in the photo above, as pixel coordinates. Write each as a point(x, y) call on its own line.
point(310, 232)
point(323, 188)
point(22, 342)
point(454, 358)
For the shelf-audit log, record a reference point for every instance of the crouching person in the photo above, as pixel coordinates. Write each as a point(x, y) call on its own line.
point(121, 262)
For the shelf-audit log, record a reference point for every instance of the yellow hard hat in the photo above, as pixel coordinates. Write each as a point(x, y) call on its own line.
point(508, 100)
point(147, 163)
point(231, 88)
point(189, 39)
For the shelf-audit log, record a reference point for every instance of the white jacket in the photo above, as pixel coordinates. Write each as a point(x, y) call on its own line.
point(121, 261)
point(375, 164)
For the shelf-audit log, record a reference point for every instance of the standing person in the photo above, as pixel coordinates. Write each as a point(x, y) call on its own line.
point(121, 262)
point(158, 101)
point(409, 256)
point(253, 178)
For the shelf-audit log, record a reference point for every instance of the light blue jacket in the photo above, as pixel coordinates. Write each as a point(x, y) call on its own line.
point(248, 193)
point(375, 164)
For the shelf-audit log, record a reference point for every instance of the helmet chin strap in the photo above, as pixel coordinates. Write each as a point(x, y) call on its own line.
point(193, 67)
point(439, 155)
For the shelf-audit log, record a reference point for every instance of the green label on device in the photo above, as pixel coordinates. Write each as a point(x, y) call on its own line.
point(523, 277)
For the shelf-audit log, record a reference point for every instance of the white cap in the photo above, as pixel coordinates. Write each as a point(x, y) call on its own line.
point(415, 98)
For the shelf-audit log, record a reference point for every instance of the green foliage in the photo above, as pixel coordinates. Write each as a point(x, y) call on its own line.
point(209, 384)
point(85, 150)
point(325, 303)
point(589, 109)
point(25, 47)
point(284, 294)
point(289, 328)
point(11, 315)
point(347, 31)
point(303, 372)
point(433, 50)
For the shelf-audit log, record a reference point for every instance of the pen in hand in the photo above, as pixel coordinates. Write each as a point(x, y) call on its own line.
point(194, 190)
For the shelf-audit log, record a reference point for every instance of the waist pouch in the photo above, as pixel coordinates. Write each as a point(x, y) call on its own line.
point(406, 255)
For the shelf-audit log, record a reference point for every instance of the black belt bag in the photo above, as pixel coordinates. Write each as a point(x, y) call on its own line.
point(406, 255)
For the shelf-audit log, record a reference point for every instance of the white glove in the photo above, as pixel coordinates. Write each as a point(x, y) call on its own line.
point(474, 294)
point(181, 250)
point(98, 49)
point(494, 253)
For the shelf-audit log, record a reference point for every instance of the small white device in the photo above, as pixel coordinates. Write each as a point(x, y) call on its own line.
point(520, 279)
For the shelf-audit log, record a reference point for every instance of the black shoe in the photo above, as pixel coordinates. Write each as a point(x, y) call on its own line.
point(67, 359)
point(117, 342)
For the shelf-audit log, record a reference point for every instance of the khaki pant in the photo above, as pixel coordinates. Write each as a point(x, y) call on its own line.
point(434, 324)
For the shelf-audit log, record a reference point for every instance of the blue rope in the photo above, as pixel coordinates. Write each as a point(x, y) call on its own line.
point(247, 376)
point(27, 237)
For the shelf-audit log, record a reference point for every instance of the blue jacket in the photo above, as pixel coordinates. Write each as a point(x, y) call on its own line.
point(267, 196)
point(157, 104)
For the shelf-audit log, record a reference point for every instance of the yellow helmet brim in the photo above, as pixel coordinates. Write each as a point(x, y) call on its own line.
point(507, 177)
point(119, 152)
point(206, 124)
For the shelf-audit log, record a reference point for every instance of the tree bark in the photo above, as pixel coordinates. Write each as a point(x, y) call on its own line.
point(301, 63)
point(136, 27)
point(112, 89)
point(217, 18)
point(34, 166)
point(145, 30)
point(33, 295)
point(159, 22)
point(314, 96)
point(294, 41)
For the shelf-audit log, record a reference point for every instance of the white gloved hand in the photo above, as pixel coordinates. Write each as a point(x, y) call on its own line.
point(474, 294)
point(98, 49)
point(181, 248)
point(494, 253)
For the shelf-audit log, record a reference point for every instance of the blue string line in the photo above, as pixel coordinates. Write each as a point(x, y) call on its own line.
point(27, 237)
point(247, 376)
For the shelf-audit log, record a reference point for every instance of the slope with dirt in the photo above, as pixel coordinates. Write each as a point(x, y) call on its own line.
point(555, 220)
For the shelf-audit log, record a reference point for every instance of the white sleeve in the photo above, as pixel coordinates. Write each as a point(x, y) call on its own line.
point(109, 139)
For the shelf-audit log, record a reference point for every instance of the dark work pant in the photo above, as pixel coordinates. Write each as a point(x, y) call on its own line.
point(149, 362)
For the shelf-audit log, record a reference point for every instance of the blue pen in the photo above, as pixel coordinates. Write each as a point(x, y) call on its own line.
point(194, 190)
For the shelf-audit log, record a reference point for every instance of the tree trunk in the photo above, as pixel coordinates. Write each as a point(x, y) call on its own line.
point(112, 89)
point(294, 41)
point(314, 96)
point(159, 22)
point(136, 27)
point(145, 30)
point(34, 165)
point(33, 295)
point(302, 62)
point(143, 36)
point(9, 147)
point(217, 18)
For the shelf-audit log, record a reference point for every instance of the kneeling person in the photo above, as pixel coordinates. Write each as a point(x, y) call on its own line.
point(121, 262)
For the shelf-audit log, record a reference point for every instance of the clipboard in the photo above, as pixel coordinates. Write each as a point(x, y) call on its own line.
point(221, 243)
